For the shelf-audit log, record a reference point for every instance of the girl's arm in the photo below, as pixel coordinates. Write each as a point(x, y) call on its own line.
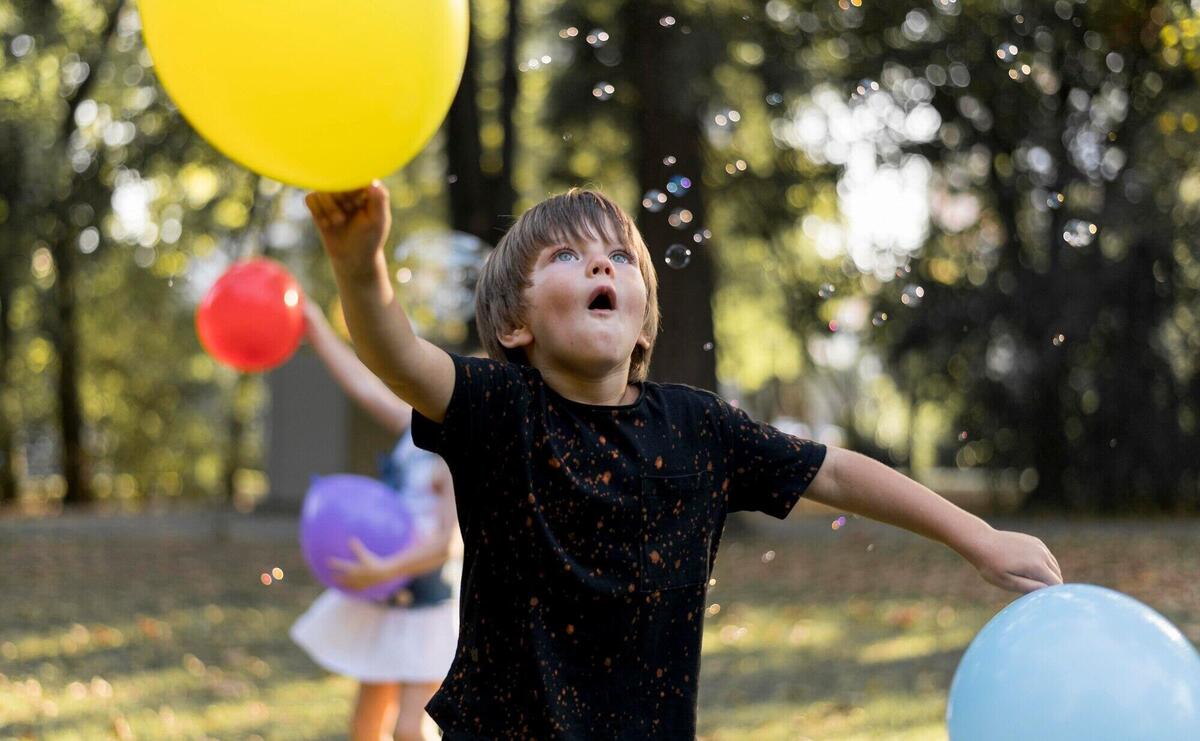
point(354, 378)
point(371, 569)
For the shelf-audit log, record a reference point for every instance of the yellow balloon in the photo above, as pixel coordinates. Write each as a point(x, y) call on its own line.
point(322, 94)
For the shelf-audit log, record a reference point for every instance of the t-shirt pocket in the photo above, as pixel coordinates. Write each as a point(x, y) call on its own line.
point(676, 533)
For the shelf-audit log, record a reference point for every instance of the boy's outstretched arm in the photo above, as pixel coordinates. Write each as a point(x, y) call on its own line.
point(354, 228)
point(852, 482)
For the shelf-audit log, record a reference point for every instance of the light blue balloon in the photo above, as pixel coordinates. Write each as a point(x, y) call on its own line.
point(1076, 662)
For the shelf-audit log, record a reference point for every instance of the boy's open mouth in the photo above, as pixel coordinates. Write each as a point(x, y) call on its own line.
point(603, 298)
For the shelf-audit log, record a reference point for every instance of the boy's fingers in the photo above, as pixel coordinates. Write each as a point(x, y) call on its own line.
point(1050, 561)
point(336, 215)
point(1042, 577)
point(1055, 567)
point(376, 200)
point(325, 206)
point(1024, 584)
point(331, 214)
point(341, 564)
point(314, 206)
point(347, 201)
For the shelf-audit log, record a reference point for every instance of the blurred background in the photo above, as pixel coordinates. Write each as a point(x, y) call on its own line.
point(960, 236)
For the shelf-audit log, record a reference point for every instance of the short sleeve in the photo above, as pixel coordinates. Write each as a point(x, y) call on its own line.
point(770, 469)
point(483, 407)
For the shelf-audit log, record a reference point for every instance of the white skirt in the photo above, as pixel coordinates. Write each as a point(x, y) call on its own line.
point(374, 643)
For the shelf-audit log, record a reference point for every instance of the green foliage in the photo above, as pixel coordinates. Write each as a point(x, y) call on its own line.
point(1050, 309)
point(1075, 364)
point(152, 213)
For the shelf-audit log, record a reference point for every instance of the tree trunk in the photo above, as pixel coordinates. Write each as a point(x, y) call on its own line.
point(75, 463)
point(503, 195)
point(8, 417)
point(668, 126)
point(482, 204)
point(463, 151)
point(11, 177)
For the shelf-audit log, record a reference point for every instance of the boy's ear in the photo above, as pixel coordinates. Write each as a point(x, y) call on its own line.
point(643, 341)
point(515, 337)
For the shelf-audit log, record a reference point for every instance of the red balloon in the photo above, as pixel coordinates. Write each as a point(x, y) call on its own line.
point(253, 316)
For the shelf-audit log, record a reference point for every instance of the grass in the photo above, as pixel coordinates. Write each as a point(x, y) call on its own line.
point(811, 633)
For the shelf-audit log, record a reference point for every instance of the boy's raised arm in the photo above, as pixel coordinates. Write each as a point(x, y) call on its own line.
point(852, 482)
point(354, 228)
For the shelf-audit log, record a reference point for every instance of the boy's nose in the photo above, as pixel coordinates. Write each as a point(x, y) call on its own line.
point(602, 265)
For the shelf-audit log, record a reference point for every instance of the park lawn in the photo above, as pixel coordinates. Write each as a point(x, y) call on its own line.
point(812, 632)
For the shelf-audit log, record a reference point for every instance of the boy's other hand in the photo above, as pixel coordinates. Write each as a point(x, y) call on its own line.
point(353, 224)
point(1016, 562)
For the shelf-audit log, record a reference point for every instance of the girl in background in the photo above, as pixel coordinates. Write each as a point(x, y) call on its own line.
point(398, 650)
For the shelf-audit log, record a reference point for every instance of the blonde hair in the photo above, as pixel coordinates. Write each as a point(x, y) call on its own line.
point(572, 217)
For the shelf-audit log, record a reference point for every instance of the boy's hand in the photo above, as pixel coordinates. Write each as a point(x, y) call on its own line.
point(1016, 562)
point(368, 570)
point(353, 225)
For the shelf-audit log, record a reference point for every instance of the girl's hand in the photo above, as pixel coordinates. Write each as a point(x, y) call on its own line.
point(353, 224)
point(368, 570)
point(1016, 562)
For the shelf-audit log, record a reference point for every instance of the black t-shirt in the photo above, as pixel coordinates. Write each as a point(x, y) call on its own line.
point(590, 533)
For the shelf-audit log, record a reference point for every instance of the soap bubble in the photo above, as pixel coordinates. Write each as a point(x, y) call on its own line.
point(912, 295)
point(679, 185)
point(1079, 233)
point(678, 256)
point(865, 88)
point(597, 38)
point(680, 218)
point(603, 90)
point(654, 201)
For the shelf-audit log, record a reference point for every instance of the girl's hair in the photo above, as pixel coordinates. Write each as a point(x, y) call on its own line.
point(570, 218)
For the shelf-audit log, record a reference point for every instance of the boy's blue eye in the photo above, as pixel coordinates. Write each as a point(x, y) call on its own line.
point(620, 257)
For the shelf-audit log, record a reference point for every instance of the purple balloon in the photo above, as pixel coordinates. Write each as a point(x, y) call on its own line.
point(338, 508)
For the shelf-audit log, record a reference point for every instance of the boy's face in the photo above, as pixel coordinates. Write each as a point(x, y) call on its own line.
point(585, 307)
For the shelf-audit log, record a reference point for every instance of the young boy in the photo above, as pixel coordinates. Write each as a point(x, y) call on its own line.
point(592, 501)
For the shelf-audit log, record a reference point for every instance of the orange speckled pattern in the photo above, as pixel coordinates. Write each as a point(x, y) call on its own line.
point(590, 533)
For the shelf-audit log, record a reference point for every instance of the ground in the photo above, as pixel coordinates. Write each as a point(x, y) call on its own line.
point(159, 627)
